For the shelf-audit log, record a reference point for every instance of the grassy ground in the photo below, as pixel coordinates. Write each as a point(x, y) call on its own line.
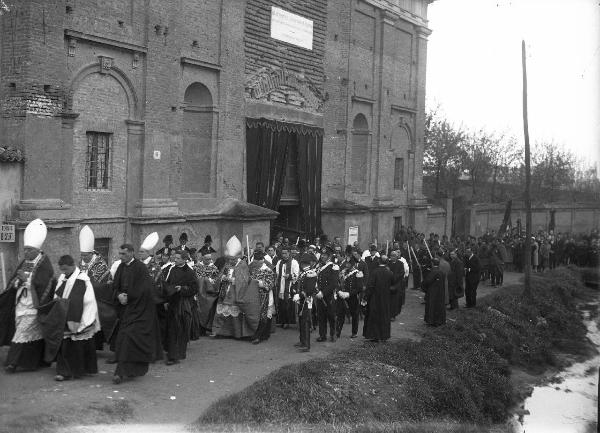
point(372, 427)
point(459, 373)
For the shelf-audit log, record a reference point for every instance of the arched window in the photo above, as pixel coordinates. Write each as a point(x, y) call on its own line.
point(360, 153)
point(198, 119)
point(402, 144)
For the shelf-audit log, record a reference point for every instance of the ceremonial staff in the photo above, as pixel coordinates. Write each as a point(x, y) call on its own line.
point(428, 250)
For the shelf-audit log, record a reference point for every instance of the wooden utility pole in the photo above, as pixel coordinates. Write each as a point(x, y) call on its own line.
point(527, 291)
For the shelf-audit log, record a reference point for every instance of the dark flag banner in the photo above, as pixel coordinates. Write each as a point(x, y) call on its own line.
point(506, 219)
point(552, 223)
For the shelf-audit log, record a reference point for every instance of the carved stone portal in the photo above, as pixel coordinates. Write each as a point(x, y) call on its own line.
point(280, 86)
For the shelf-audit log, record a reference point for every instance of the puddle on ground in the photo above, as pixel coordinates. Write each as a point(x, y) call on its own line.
point(569, 406)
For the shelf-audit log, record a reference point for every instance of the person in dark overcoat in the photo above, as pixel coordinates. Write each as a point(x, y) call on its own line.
point(377, 326)
point(397, 293)
point(472, 275)
point(456, 285)
point(136, 340)
point(435, 295)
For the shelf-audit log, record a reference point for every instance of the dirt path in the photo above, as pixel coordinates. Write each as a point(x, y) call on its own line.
point(170, 395)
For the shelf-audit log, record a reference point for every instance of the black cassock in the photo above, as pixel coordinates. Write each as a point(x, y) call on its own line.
point(179, 311)
point(137, 339)
point(377, 319)
point(397, 295)
point(435, 297)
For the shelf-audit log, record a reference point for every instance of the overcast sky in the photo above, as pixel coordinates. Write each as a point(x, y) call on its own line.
point(474, 67)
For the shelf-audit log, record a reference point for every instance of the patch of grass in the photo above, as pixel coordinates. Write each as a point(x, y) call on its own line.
point(372, 427)
point(591, 276)
point(527, 332)
point(458, 372)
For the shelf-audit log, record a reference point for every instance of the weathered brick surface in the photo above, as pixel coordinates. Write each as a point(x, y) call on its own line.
point(364, 61)
point(263, 51)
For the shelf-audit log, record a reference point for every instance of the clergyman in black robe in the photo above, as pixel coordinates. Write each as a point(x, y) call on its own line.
point(456, 285)
point(397, 293)
point(435, 295)
point(377, 325)
point(77, 354)
point(181, 286)
point(136, 340)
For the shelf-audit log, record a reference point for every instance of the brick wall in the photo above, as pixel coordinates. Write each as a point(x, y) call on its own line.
point(263, 51)
point(102, 105)
point(359, 62)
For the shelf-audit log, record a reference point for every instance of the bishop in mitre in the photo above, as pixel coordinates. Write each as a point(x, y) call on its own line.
point(238, 304)
point(95, 267)
point(29, 287)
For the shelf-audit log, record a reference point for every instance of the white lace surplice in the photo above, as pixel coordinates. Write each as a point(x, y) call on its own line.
point(27, 326)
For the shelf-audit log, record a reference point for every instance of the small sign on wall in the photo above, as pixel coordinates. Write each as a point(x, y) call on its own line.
point(352, 235)
point(291, 28)
point(156, 154)
point(7, 233)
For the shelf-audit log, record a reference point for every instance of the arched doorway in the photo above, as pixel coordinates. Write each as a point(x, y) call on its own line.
point(284, 174)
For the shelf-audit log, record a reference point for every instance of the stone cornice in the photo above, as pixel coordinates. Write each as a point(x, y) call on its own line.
point(200, 63)
point(101, 40)
point(392, 9)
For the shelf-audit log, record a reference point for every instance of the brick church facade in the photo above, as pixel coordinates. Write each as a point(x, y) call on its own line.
point(204, 116)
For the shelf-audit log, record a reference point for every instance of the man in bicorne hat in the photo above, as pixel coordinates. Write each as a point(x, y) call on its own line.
point(327, 283)
point(207, 247)
point(95, 267)
point(183, 240)
point(307, 289)
point(167, 249)
point(29, 287)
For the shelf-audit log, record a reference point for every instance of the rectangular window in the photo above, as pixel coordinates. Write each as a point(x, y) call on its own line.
point(97, 167)
point(399, 173)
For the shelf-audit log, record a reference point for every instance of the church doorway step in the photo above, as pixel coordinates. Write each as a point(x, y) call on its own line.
point(284, 162)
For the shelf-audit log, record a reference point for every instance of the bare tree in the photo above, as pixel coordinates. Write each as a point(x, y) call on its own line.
point(553, 169)
point(586, 181)
point(442, 152)
point(504, 156)
point(477, 159)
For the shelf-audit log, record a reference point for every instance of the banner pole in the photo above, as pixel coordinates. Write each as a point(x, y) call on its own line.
point(3, 273)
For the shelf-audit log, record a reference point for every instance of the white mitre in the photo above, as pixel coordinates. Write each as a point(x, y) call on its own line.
point(233, 248)
point(35, 234)
point(150, 242)
point(86, 240)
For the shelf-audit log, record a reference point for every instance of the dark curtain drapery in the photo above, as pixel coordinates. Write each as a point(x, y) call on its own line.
point(267, 155)
point(310, 150)
point(267, 149)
